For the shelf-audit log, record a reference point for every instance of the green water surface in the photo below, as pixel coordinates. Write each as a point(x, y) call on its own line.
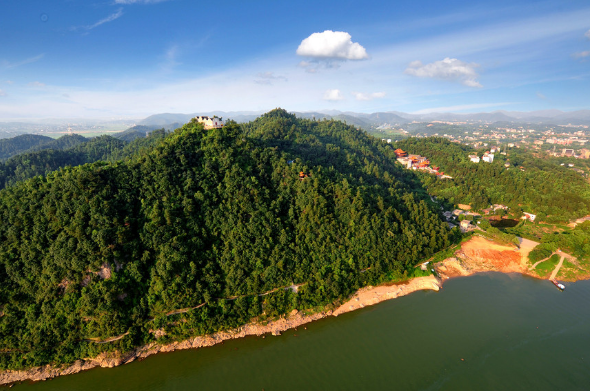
point(486, 332)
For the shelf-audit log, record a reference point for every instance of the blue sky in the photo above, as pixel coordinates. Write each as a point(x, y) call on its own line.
point(133, 58)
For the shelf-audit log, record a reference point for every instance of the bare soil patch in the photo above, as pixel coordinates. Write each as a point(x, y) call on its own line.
point(481, 255)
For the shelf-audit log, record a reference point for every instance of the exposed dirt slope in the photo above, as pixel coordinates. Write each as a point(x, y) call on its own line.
point(482, 255)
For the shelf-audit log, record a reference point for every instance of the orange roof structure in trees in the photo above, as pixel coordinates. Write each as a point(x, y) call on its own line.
point(400, 153)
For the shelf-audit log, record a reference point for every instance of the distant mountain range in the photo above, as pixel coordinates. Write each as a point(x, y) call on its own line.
point(169, 118)
point(365, 120)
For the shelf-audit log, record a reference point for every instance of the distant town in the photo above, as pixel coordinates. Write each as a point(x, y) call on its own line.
point(561, 141)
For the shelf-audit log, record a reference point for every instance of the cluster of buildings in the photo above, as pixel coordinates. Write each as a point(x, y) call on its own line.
point(554, 140)
point(514, 137)
point(468, 223)
point(465, 225)
point(493, 208)
point(417, 162)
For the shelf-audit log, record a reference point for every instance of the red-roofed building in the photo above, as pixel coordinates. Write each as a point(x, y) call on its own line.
point(400, 153)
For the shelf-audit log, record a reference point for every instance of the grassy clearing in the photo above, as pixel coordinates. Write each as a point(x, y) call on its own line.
point(545, 268)
point(499, 237)
point(569, 271)
point(536, 231)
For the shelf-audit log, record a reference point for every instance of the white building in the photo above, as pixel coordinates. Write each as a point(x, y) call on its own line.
point(474, 158)
point(210, 122)
point(406, 161)
point(488, 157)
point(529, 216)
point(465, 225)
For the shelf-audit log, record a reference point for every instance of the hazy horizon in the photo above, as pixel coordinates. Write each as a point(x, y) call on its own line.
point(330, 112)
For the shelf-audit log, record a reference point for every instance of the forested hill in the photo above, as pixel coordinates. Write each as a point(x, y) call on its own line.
point(12, 146)
point(530, 183)
point(206, 221)
point(31, 142)
point(107, 148)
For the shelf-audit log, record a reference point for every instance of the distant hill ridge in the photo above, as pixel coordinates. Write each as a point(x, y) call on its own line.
point(33, 142)
point(551, 116)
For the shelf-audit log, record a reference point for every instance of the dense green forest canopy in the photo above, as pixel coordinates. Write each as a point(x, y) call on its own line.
point(208, 220)
point(13, 146)
point(107, 148)
point(531, 184)
point(31, 142)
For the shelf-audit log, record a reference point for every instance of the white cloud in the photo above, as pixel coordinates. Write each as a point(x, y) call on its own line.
point(581, 54)
point(310, 66)
point(331, 45)
point(37, 84)
point(10, 65)
point(368, 96)
point(447, 69)
point(170, 59)
point(268, 78)
point(333, 95)
point(9, 82)
point(541, 96)
point(587, 35)
point(2, 93)
point(109, 18)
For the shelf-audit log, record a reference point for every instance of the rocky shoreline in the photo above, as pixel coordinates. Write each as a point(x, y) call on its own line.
point(364, 297)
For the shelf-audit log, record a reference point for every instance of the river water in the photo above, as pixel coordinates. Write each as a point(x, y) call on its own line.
point(485, 332)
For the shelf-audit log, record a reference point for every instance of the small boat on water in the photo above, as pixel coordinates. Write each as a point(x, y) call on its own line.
point(559, 286)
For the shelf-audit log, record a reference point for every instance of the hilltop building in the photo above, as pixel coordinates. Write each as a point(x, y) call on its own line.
point(210, 122)
point(474, 158)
